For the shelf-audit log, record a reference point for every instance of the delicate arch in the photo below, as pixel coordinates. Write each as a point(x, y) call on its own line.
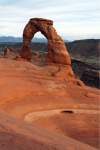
point(57, 52)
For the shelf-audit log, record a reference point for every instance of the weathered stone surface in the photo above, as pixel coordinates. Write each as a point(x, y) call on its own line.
point(57, 52)
point(9, 53)
point(26, 88)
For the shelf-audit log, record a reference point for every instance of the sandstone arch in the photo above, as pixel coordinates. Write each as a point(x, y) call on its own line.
point(57, 52)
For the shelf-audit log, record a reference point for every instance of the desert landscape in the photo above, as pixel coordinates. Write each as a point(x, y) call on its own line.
point(43, 103)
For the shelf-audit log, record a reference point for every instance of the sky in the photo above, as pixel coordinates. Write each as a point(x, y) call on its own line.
point(73, 19)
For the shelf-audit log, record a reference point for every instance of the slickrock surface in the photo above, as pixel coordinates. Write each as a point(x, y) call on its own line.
point(27, 89)
point(18, 135)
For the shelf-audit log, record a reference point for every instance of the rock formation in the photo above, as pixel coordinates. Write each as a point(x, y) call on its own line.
point(57, 52)
point(10, 53)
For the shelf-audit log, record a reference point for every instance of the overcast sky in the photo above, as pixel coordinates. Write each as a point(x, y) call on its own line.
point(73, 19)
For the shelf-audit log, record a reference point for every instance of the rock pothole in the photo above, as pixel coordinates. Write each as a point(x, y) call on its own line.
point(67, 111)
point(33, 116)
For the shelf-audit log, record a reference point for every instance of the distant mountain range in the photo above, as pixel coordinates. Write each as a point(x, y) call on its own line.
point(7, 39)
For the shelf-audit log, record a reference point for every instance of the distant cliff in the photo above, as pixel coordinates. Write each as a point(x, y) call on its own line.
point(85, 60)
point(85, 50)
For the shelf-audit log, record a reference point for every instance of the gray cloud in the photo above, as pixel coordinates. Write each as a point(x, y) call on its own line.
point(70, 17)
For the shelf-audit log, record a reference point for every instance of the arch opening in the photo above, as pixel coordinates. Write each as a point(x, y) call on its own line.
point(39, 48)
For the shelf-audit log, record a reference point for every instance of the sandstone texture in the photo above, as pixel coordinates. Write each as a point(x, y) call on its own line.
point(57, 52)
point(46, 109)
point(18, 135)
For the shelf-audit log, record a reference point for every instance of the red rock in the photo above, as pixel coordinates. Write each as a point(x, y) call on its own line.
point(57, 52)
point(27, 88)
point(92, 95)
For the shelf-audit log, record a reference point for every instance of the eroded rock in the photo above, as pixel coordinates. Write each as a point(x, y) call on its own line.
point(57, 52)
point(9, 53)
